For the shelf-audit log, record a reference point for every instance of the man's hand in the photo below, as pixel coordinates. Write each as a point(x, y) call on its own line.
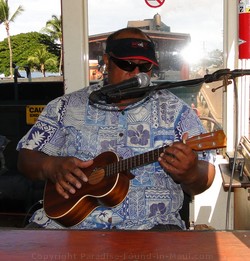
point(66, 173)
point(181, 162)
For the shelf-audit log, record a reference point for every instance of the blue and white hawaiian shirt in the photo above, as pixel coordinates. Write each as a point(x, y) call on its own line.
point(71, 126)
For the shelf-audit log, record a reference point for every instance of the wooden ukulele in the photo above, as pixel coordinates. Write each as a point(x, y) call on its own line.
point(108, 181)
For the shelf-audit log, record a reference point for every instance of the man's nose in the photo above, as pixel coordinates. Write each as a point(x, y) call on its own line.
point(136, 70)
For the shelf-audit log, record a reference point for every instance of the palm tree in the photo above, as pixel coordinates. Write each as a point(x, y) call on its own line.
point(54, 30)
point(6, 20)
point(41, 58)
point(1, 12)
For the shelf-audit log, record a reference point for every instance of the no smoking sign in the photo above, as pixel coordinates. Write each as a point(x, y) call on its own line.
point(154, 3)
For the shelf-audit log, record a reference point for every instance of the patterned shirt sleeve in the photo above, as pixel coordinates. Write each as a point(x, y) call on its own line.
point(42, 134)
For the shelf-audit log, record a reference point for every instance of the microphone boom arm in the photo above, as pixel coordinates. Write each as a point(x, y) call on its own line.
point(110, 95)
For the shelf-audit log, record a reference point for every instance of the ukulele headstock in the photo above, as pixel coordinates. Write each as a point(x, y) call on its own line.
point(207, 141)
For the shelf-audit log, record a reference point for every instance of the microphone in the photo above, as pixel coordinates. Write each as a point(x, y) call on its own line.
point(141, 80)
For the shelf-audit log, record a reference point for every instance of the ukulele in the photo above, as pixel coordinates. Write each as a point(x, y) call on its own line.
point(108, 181)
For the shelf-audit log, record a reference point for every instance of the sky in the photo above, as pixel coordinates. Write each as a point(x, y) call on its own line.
point(34, 17)
point(202, 19)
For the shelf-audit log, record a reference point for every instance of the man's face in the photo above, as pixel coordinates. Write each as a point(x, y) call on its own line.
point(116, 74)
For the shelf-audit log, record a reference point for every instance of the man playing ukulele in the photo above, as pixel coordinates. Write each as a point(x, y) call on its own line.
point(71, 132)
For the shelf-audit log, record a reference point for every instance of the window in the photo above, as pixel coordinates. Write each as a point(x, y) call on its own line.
point(189, 43)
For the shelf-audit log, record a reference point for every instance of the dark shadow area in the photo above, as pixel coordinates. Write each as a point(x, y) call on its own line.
point(19, 196)
point(243, 237)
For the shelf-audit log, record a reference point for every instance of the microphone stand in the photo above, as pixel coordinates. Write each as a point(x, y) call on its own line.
point(139, 92)
point(110, 96)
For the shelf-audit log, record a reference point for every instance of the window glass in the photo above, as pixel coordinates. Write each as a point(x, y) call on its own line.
point(184, 33)
point(188, 37)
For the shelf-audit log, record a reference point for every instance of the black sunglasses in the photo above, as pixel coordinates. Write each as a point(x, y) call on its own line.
point(130, 66)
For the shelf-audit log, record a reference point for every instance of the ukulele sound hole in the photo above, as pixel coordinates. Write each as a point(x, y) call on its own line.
point(96, 176)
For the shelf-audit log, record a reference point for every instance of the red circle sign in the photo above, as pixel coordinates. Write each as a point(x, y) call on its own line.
point(154, 3)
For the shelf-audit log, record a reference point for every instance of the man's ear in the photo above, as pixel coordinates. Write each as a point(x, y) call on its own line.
point(106, 60)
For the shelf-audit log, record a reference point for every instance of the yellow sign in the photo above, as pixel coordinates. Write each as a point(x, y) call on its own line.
point(32, 113)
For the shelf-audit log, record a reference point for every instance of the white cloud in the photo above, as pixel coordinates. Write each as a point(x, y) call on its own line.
point(105, 16)
point(34, 17)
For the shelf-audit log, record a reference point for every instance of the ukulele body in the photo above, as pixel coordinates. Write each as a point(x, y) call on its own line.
point(102, 189)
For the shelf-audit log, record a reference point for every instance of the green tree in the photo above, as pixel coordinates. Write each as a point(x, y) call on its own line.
point(6, 19)
point(25, 45)
point(41, 59)
point(54, 30)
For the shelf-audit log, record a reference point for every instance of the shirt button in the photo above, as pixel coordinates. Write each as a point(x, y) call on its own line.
point(120, 134)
